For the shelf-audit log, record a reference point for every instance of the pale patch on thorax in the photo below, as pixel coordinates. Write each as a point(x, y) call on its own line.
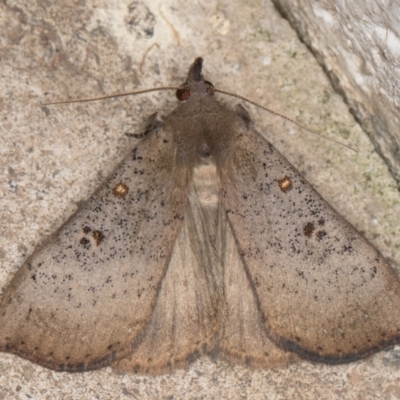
point(206, 186)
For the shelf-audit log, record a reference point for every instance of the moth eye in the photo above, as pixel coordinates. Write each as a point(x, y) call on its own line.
point(182, 94)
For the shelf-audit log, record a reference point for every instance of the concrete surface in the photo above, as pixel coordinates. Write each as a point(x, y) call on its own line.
point(54, 157)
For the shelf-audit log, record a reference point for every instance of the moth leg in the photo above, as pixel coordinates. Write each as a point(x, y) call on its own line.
point(152, 123)
point(243, 114)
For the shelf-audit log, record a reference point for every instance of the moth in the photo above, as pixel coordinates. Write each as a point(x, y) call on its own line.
point(203, 241)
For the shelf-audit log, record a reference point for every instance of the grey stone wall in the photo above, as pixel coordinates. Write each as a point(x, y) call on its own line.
point(358, 45)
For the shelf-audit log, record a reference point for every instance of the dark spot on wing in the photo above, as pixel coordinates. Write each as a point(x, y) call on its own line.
point(98, 237)
point(308, 229)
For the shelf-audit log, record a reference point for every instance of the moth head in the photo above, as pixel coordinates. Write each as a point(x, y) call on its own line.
point(195, 82)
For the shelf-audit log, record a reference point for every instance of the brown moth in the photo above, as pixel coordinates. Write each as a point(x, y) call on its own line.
point(203, 240)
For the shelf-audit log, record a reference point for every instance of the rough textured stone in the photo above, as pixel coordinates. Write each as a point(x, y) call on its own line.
point(53, 157)
point(358, 45)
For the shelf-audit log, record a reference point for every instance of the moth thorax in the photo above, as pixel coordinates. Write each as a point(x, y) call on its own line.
point(205, 152)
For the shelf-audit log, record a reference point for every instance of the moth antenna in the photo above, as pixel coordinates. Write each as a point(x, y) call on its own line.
point(284, 117)
point(110, 96)
point(215, 90)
